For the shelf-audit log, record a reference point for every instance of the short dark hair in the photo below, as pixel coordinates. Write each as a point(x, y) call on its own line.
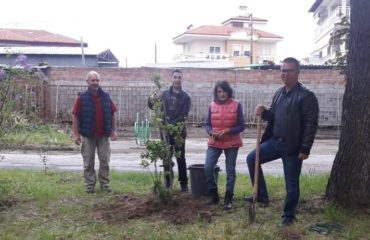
point(176, 71)
point(225, 86)
point(293, 61)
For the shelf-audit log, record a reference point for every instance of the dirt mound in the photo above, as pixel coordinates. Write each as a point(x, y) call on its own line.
point(183, 209)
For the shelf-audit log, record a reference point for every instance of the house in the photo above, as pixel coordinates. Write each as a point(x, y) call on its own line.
point(327, 14)
point(230, 44)
point(46, 48)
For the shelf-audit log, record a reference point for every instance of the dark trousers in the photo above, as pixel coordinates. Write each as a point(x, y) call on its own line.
point(270, 150)
point(181, 161)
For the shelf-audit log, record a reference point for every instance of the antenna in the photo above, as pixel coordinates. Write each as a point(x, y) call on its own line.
point(82, 51)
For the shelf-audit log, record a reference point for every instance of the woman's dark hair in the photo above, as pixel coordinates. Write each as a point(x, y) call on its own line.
point(225, 86)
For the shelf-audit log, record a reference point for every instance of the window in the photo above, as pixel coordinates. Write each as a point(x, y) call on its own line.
point(236, 49)
point(264, 52)
point(214, 50)
point(237, 24)
point(247, 50)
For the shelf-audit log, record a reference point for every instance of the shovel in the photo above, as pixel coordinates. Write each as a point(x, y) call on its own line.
point(252, 207)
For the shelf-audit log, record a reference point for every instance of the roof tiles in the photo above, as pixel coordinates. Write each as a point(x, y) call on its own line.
point(226, 31)
point(30, 36)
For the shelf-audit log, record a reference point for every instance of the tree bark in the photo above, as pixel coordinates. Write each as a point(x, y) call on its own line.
point(349, 182)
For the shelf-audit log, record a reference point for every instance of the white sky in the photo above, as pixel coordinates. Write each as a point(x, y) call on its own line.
point(130, 28)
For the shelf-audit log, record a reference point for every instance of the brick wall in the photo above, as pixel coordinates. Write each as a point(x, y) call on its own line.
point(76, 76)
point(129, 88)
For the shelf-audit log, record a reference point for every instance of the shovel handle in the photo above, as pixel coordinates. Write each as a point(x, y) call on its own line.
point(257, 160)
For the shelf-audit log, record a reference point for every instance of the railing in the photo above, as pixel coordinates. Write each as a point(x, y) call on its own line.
point(131, 101)
point(327, 23)
point(215, 56)
point(201, 57)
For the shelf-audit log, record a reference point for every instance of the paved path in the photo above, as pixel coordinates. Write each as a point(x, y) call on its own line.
point(126, 157)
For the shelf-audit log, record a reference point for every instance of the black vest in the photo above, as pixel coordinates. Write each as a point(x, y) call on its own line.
point(87, 114)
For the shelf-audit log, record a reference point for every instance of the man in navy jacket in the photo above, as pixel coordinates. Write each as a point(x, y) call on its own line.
point(176, 104)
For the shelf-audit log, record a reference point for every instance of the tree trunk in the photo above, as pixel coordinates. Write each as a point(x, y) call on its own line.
point(349, 182)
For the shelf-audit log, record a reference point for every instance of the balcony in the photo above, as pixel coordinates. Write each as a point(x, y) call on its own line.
point(201, 57)
point(326, 22)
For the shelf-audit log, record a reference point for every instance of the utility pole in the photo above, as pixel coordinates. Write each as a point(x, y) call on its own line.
point(251, 35)
point(82, 53)
point(249, 16)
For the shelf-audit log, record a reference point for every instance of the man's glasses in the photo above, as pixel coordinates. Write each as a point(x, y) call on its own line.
point(177, 77)
point(287, 70)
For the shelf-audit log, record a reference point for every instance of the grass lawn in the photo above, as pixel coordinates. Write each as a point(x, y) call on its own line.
point(35, 205)
point(38, 135)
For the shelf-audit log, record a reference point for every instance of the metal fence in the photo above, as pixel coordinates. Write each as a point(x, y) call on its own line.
point(132, 100)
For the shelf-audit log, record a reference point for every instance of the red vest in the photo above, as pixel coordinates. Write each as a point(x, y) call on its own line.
point(224, 116)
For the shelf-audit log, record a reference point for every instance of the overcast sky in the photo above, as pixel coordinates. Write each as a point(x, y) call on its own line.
point(131, 28)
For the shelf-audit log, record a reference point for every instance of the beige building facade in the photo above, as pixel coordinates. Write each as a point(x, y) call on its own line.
point(237, 42)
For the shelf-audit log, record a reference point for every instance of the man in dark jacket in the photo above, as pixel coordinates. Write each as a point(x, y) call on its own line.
point(176, 104)
point(93, 123)
point(292, 123)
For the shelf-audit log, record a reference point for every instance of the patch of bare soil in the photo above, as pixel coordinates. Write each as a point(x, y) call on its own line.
point(313, 205)
point(183, 209)
point(7, 203)
point(290, 234)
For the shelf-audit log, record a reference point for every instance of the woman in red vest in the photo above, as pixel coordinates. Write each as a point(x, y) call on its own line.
point(224, 124)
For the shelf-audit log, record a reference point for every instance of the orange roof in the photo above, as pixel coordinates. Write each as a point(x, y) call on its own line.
point(263, 34)
point(226, 31)
point(213, 30)
point(37, 37)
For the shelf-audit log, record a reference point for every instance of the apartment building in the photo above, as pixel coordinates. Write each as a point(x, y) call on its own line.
point(327, 14)
point(237, 42)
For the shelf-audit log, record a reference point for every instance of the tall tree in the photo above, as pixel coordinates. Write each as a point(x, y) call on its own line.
point(349, 182)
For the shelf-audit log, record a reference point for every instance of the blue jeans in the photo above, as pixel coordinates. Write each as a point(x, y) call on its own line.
point(211, 160)
point(270, 150)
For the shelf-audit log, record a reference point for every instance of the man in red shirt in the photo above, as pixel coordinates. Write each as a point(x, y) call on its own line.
point(93, 123)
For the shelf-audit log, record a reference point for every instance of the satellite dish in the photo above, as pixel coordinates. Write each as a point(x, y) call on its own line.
point(189, 27)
